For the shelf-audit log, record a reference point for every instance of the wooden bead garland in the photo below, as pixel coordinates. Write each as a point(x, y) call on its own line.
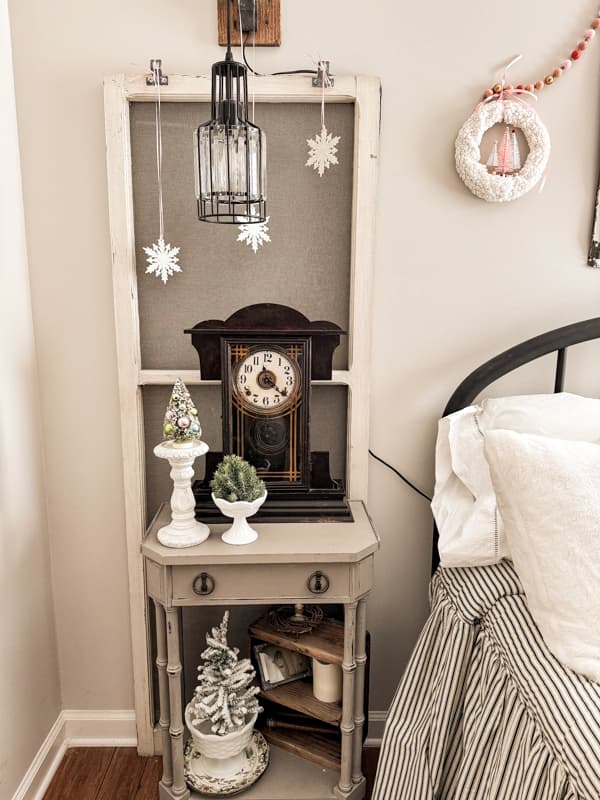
point(564, 66)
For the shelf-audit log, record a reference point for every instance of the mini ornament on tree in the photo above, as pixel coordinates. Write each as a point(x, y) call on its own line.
point(221, 714)
point(182, 445)
point(322, 149)
point(504, 177)
point(162, 258)
point(254, 234)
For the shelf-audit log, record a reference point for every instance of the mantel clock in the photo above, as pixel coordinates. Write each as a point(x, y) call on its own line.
point(266, 356)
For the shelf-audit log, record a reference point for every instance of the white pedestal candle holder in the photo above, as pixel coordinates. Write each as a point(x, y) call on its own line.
point(184, 530)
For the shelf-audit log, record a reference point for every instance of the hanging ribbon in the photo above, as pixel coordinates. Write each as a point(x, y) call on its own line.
point(161, 218)
point(162, 259)
point(507, 92)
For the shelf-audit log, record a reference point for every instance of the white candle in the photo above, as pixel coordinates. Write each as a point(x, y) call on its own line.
point(327, 681)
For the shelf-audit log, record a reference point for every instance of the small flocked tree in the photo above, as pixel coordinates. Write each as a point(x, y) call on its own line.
point(181, 422)
point(224, 694)
point(236, 479)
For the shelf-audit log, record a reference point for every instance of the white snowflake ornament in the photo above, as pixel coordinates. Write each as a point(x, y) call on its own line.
point(255, 234)
point(322, 151)
point(162, 260)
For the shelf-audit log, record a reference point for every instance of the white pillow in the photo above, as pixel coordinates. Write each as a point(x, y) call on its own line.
point(548, 493)
point(464, 503)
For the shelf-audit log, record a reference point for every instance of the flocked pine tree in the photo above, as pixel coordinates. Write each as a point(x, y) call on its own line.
point(224, 696)
point(235, 479)
point(181, 422)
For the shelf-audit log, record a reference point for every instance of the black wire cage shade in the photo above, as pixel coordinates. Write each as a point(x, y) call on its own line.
point(230, 152)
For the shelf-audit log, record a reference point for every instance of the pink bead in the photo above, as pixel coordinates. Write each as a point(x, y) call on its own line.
point(582, 45)
point(589, 34)
point(566, 64)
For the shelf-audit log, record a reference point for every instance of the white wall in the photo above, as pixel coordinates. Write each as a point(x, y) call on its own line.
point(29, 689)
point(456, 280)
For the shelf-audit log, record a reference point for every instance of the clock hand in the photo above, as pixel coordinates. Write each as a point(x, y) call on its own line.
point(273, 385)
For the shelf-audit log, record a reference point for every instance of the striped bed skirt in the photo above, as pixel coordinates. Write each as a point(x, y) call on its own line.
point(484, 711)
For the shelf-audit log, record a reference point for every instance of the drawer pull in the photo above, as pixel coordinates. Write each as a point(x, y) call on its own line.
point(318, 582)
point(204, 584)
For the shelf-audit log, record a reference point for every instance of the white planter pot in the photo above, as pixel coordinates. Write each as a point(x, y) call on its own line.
point(240, 532)
point(222, 756)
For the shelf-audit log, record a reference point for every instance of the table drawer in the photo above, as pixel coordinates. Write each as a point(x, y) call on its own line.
point(240, 582)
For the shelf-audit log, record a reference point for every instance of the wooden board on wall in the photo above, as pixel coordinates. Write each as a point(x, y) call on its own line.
point(268, 29)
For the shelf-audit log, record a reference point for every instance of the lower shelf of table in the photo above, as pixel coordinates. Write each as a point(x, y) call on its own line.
point(289, 777)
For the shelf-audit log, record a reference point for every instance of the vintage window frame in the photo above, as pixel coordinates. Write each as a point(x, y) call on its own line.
point(119, 91)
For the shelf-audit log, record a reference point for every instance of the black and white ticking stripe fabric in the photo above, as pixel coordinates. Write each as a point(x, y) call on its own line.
point(484, 711)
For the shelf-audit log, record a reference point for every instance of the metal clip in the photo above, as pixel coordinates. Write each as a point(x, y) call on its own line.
point(323, 76)
point(155, 67)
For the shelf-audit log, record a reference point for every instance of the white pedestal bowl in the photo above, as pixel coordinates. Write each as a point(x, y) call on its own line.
point(240, 532)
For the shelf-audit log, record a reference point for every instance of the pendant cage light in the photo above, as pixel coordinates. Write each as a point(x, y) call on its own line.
point(230, 151)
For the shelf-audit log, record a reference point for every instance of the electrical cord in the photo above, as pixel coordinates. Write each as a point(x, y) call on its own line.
point(262, 74)
point(400, 475)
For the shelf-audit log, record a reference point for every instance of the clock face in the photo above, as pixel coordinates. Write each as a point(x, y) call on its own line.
point(267, 381)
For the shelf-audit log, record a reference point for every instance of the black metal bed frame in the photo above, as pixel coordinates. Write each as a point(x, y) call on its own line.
point(553, 341)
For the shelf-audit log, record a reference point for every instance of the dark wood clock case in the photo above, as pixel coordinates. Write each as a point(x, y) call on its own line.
point(300, 488)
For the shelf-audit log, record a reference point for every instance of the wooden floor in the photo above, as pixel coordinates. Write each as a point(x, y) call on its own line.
point(118, 773)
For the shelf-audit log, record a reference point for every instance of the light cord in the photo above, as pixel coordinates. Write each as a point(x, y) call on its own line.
point(243, 47)
point(400, 475)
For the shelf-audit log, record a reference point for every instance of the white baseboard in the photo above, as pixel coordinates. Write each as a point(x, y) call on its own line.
point(376, 724)
point(44, 765)
point(75, 728)
point(100, 728)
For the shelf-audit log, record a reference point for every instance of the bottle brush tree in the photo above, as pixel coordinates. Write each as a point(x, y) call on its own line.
point(224, 695)
point(236, 479)
point(181, 422)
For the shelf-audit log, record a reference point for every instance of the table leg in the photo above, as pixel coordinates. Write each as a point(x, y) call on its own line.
point(347, 723)
point(163, 694)
point(179, 789)
point(359, 689)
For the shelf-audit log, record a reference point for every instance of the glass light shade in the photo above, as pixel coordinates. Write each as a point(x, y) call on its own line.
point(230, 172)
point(230, 153)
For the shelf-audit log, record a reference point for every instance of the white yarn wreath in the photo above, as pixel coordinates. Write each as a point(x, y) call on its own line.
point(502, 188)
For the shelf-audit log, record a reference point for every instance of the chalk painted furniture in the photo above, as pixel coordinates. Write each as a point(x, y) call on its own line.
point(278, 567)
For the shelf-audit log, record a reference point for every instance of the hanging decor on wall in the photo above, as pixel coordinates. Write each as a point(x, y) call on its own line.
point(504, 177)
point(162, 258)
point(255, 235)
point(594, 251)
point(323, 148)
point(230, 151)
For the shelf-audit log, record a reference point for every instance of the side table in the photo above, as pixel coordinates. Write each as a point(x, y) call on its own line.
point(324, 562)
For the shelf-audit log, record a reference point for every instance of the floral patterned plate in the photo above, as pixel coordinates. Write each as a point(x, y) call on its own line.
point(256, 762)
